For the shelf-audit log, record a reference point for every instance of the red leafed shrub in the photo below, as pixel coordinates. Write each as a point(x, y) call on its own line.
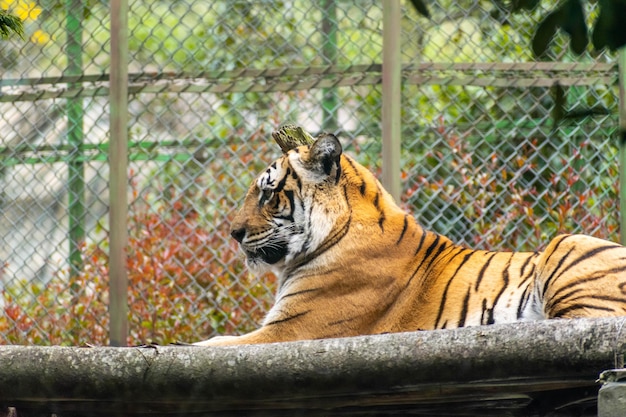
point(515, 196)
point(186, 283)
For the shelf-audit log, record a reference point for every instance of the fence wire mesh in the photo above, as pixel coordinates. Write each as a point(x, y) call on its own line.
point(499, 151)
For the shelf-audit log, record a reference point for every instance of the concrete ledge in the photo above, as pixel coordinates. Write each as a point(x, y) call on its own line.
point(542, 366)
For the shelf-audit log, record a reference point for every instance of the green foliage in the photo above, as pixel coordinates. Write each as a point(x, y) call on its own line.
point(421, 7)
point(569, 15)
point(609, 29)
point(516, 198)
point(186, 283)
point(10, 24)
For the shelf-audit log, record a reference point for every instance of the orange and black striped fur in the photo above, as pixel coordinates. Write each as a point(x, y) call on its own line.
point(350, 262)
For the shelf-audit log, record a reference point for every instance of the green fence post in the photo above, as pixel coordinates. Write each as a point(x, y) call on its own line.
point(329, 51)
point(392, 72)
point(118, 180)
point(622, 143)
point(75, 137)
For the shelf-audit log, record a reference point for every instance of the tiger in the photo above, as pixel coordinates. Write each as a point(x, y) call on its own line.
point(349, 261)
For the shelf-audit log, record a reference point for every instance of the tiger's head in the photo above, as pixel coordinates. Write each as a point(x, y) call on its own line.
point(294, 205)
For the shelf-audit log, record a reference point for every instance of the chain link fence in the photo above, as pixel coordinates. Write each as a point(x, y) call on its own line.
point(498, 151)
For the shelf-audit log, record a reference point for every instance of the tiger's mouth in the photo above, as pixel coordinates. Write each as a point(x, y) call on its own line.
point(269, 255)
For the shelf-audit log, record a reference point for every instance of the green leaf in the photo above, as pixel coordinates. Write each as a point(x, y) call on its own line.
point(608, 31)
point(573, 22)
point(600, 34)
point(545, 32)
point(528, 4)
point(421, 8)
point(10, 24)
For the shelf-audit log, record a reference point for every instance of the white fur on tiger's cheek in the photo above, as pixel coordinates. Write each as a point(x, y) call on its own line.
point(321, 225)
point(315, 226)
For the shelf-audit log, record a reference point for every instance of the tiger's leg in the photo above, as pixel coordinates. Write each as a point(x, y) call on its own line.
point(261, 335)
point(582, 276)
point(218, 341)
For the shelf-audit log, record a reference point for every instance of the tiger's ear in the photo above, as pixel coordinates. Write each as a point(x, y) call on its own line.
point(289, 137)
point(324, 156)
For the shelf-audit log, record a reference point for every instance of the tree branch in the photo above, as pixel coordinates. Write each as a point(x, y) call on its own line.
point(513, 362)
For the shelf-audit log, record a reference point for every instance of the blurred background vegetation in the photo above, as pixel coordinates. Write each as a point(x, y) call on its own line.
point(500, 150)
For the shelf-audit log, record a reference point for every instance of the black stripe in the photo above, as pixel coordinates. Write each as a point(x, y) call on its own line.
point(404, 227)
point(598, 275)
point(526, 277)
point(505, 284)
point(483, 270)
point(381, 217)
point(362, 187)
point(419, 247)
point(293, 294)
point(558, 266)
point(563, 237)
point(587, 255)
point(436, 256)
point(290, 277)
point(465, 306)
point(420, 244)
point(286, 319)
point(602, 298)
point(525, 264)
point(290, 196)
point(279, 187)
point(440, 255)
point(550, 256)
point(562, 312)
point(338, 173)
point(442, 303)
point(342, 321)
point(298, 180)
point(431, 248)
point(555, 300)
point(523, 302)
point(484, 310)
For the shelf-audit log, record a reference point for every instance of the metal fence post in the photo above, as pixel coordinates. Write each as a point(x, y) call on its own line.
point(118, 163)
point(75, 136)
point(392, 67)
point(622, 142)
point(330, 52)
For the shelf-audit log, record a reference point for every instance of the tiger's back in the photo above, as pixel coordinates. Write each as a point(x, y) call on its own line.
point(349, 261)
point(575, 276)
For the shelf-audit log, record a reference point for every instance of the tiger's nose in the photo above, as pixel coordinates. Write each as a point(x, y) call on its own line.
point(238, 234)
